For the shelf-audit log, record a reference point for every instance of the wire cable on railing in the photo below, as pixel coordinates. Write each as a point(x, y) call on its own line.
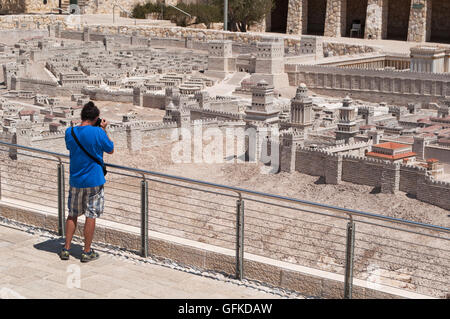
point(401, 229)
point(415, 276)
point(402, 282)
point(108, 202)
point(364, 260)
point(208, 208)
point(398, 248)
point(135, 185)
point(184, 196)
point(108, 187)
point(6, 177)
point(295, 248)
point(28, 169)
point(33, 156)
point(427, 270)
point(294, 225)
point(184, 224)
point(295, 234)
point(30, 201)
point(247, 210)
point(404, 242)
point(208, 222)
point(188, 232)
point(302, 258)
point(28, 189)
point(120, 209)
point(120, 219)
point(192, 188)
point(28, 182)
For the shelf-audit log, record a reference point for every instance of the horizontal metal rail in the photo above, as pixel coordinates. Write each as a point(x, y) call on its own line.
point(239, 191)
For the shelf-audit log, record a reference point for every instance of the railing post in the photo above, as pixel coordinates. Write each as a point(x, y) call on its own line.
point(240, 239)
point(61, 201)
point(349, 254)
point(144, 218)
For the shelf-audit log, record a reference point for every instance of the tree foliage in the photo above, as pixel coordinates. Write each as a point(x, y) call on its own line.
point(241, 13)
point(244, 13)
point(202, 13)
point(207, 14)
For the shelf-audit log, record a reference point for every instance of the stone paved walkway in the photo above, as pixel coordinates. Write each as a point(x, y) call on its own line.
point(31, 268)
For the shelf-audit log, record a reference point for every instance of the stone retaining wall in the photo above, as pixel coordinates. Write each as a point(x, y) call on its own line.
point(389, 177)
point(370, 83)
point(181, 37)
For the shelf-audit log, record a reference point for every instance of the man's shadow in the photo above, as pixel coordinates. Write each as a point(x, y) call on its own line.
point(55, 246)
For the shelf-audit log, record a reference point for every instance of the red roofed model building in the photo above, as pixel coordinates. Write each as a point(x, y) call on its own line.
point(394, 152)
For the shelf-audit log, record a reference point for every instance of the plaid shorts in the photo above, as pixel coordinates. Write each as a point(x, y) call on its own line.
point(89, 201)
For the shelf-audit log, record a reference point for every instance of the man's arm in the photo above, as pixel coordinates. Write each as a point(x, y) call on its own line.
point(103, 125)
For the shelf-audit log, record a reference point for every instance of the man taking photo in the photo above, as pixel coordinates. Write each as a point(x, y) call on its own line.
point(86, 144)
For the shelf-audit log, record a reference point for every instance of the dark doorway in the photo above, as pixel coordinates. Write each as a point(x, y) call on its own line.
point(440, 21)
point(356, 15)
point(398, 19)
point(278, 18)
point(316, 16)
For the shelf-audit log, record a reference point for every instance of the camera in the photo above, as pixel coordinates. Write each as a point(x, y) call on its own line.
point(99, 121)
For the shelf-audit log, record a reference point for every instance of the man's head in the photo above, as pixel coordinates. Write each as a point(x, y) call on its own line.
point(90, 113)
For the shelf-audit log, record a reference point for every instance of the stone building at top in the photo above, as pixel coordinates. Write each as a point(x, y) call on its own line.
point(412, 20)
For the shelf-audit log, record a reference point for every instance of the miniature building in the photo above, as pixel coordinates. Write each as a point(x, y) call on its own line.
point(347, 121)
point(445, 142)
point(27, 115)
point(311, 45)
point(413, 108)
point(73, 79)
point(393, 152)
point(375, 136)
point(202, 99)
point(270, 63)
point(366, 113)
point(301, 108)
point(262, 108)
point(443, 110)
point(434, 168)
point(220, 58)
point(428, 59)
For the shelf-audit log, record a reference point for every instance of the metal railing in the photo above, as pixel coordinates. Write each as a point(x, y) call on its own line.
point(115, 4)
point(380, 250)
point(176, 8)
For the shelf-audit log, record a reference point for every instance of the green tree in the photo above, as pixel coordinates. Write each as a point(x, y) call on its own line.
point(140, 10)
point(207, 14)
point(244, 13)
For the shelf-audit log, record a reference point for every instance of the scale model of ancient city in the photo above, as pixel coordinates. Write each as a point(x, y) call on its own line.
point(344, 103)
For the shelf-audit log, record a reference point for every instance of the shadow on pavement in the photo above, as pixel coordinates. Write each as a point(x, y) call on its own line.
point(55, 246)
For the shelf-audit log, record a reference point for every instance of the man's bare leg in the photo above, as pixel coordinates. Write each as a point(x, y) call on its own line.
point(71, 226)
point(89, 227)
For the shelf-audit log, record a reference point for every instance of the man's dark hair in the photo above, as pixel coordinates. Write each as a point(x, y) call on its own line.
point(90, 112)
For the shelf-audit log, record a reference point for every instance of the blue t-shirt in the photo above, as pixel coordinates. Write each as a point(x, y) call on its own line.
point(84, 172)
